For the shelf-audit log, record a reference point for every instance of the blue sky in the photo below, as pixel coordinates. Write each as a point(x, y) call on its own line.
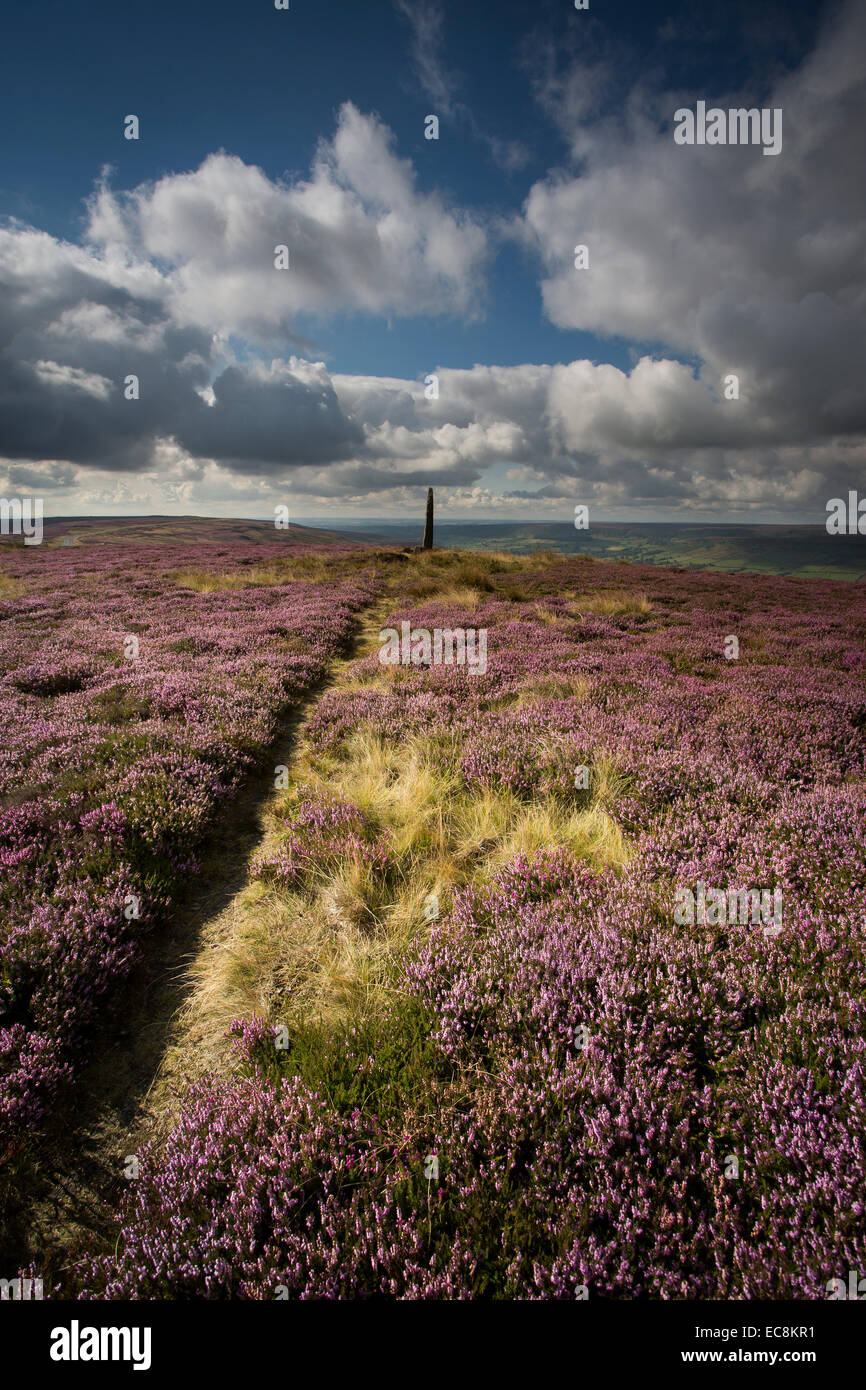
point(555, 126)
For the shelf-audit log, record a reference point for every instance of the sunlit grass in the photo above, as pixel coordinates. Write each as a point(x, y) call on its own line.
point(611, 604)
point(211, 582)
point(590, 835)
point(282, 570)
point(9, 586)
point(449, 576)
point(328, 954)
point(549, 616)
point(457, 596)
point(565, 687)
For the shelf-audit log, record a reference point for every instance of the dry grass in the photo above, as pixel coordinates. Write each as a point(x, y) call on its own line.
point(549, 616)
point(457, 596)
point(452, 576)
point(281, 569)
point(608, 782)
point(482, 563)
point(611, 603)
point(329, 953)
point(9, 586)
point(534, 689)
point(212, 582)
point(589, 834)
point(436, 572)
point(565, 687)
point(215, 581)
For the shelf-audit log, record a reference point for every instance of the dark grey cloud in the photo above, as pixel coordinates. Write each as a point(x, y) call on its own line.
point(69, 343)
point(269, 424)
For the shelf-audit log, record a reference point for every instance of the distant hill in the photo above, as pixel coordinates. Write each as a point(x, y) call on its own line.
point(804, 552)
point(185, 530)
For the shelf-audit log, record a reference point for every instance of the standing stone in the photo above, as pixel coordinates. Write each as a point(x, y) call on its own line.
point(428, 525)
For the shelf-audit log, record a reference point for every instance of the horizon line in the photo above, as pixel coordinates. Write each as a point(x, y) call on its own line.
point(413, 520)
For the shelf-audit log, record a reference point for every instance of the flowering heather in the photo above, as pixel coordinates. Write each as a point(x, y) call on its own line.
point(114, 762)
point(323, 832)
point(616, 1103)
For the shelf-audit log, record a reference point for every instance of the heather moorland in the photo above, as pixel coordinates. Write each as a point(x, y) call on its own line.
point(454, 1035)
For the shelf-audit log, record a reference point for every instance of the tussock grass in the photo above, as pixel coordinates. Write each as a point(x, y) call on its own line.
point(9, 586)
point(611, 604)
point(454, 576)
point(483, 563)
point(435, 573)
point(457, 596)
point(212, 582)
point(608, 783)
point(327, 955)
point(282, 569)
point(549, 616)
point(564, 687)
point(438, 587)
point(535, 689)
point(589, 834)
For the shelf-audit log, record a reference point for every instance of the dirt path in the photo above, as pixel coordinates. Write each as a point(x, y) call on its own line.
point(125, 1095)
